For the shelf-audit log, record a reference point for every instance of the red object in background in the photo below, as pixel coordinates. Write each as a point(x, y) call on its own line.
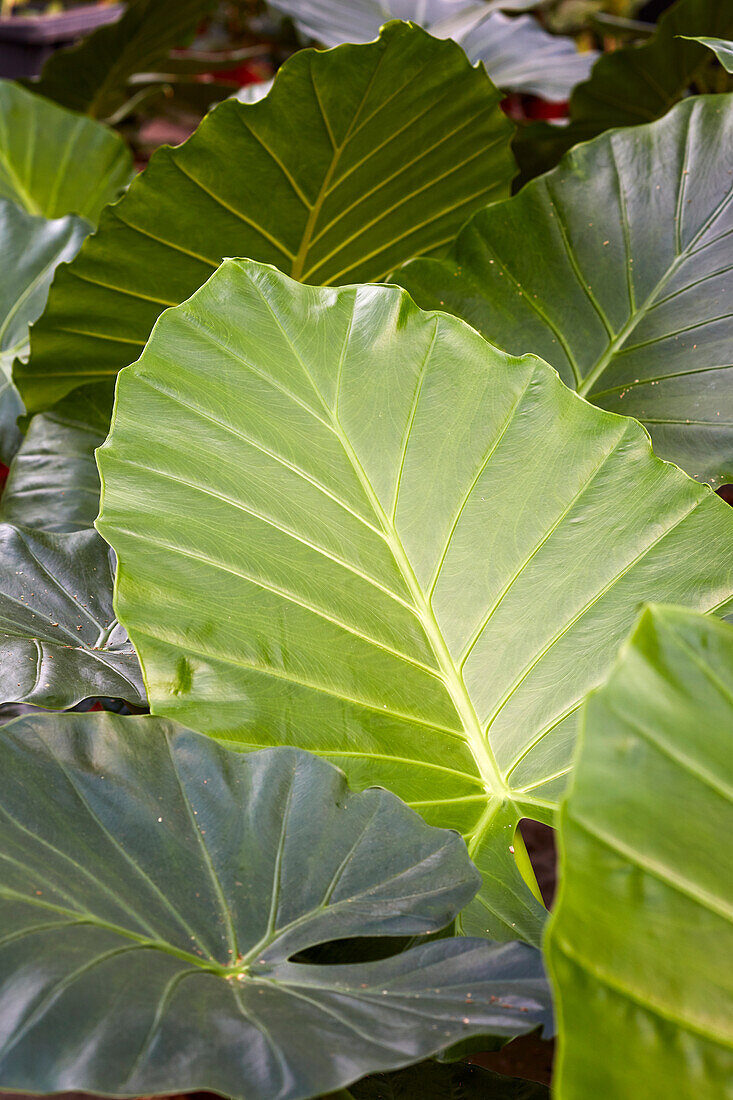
point(545, 108)
point(3, 476)
point(726, 493)
point(524, 107)
point(248, 72)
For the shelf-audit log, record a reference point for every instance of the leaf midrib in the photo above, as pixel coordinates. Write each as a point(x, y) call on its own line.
point(452, 676)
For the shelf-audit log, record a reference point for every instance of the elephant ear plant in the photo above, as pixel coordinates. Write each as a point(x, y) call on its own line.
point(57, 171)
point(644, 924)
point(372, 571)
point(164, 892)
point(358, 159)
point(373, 548)
point(627, 287)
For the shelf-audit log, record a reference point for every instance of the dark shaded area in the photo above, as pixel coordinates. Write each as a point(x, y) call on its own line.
point(540, 842)
point(528, 1056)
point(651, 11)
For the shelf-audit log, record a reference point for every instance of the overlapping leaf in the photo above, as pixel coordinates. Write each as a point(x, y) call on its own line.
point(617, 269)
point(632, 85)
point(32, 247)
point(644, 921)
point(60, 641)
point(53, 484)
point(358, 158)
point(93, 76)
point(390, 543)
point(161, 890)
point(519, 55)
point(54, 162)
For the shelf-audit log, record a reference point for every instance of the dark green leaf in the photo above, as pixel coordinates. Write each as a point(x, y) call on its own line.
point(53, 162)
point(53, 484)
point(366, 541)
point(359, 158)
point(626, 288)
point(93, 76)
point(60, 640)
point(433, 1081)
point(157, 886)
point(32, 247)
point(643, 929)
point(632, 85)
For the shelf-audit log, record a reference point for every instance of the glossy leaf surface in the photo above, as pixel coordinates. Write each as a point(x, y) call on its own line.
point(53, 162)
point(60, 641)
point(519, 55)
point(166, 959)
point(53, 484)
point(92, 77)
point(632, 85)
point(627, 288)
point(372, 547)
point(358, 158)
point(32, 247)
point(644, 921)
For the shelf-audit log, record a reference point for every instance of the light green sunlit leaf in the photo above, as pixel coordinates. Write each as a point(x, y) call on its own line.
point(390, 543)
point(643, 931)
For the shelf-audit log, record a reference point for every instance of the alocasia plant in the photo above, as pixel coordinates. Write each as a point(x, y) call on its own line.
point(632, 85)
point(55, 162)
point(158, 896)
point(57, 171)
point(388, 542)
point(358, 158)
point(60, 641)
point(519, 55)
point(32, 247)
point(92, 76)
point(53, 484)
point(616, 268)
point(639, 942)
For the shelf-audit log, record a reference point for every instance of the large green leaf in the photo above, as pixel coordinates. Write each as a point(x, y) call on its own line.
point(633, 85)
point(627, 286)
point(434, 1081)
point(359, 158)
point(32, 247)
point(93, 76)
point(53, 484)
point(60, 641)
point(158, 892)
point(54, 162)
point(343, 523)
point(643, 932)
point(519, 55)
